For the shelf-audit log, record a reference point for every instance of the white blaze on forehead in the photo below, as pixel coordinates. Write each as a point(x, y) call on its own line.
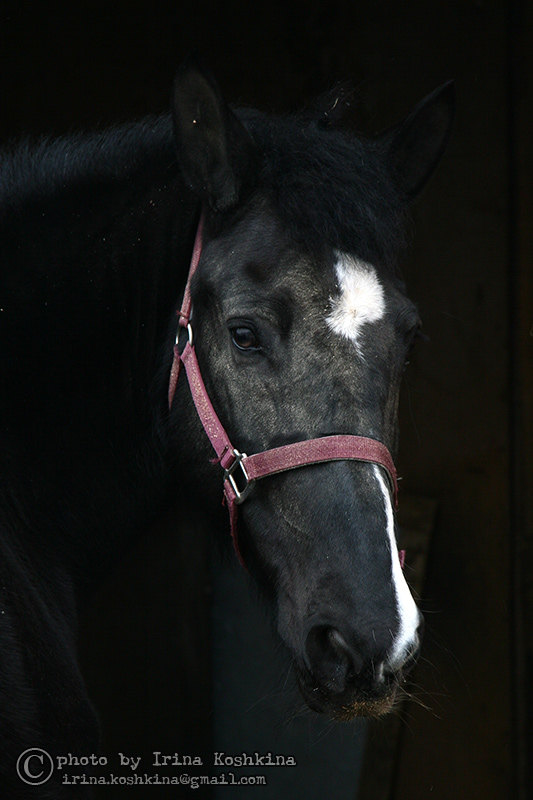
point(408, 616)
point(361, 298)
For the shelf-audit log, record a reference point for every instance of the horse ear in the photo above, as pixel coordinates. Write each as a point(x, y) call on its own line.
point(216, 154)
point(415, 147)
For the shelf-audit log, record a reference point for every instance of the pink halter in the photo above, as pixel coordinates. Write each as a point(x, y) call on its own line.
point(240, 470)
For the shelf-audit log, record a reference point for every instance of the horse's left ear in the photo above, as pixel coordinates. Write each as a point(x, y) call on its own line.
point(414, 149)
point(216, 153)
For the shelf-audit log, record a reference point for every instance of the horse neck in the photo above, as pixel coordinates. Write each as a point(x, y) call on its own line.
point(94, 277)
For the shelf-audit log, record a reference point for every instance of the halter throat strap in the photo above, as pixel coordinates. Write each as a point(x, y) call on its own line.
point(239, 470)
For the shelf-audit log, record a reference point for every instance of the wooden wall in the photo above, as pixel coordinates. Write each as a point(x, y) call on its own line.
point(466, 418)
point(521, 378)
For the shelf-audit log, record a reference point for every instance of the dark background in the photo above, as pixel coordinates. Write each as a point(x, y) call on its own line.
point(466, 417)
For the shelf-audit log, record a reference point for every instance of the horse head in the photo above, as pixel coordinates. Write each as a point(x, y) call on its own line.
point(302, 328)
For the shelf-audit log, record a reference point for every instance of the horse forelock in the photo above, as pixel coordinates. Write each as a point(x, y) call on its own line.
point(330, 187)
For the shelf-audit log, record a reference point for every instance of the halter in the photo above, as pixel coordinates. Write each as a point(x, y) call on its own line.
point(239, 470)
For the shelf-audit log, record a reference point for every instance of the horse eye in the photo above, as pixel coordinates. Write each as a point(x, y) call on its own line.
point(244, 338)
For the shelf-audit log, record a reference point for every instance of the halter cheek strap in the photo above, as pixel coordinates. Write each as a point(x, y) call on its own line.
point(184, 313)
point(241, 471)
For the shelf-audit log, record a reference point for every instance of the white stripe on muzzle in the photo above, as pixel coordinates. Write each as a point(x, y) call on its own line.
point(408, 616)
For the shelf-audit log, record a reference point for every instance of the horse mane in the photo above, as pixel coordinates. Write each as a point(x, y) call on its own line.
point(328, 185)
point(33, 170)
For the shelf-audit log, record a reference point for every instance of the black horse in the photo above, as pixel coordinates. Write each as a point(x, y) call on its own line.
point(302, 328)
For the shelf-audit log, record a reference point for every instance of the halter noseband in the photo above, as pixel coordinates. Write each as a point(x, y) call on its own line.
point(240, 470)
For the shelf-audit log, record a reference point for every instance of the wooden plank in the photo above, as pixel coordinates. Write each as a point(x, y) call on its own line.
point(521, 379)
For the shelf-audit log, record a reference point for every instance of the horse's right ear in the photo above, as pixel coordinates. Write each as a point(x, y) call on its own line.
point(215, 152)
point(415, 147)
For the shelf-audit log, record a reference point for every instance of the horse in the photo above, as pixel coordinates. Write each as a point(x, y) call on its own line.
point(300, 326)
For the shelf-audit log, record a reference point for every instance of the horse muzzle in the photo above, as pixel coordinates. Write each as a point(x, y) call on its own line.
point(345, 679)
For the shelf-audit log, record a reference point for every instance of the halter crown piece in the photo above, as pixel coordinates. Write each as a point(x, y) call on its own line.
point(240, 470)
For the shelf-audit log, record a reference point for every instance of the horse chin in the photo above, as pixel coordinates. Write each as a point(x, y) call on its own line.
point(365, 708)
point(347, 706)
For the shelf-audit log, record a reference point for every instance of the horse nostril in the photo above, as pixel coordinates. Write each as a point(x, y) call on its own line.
point(337, 641)
point(329, 657)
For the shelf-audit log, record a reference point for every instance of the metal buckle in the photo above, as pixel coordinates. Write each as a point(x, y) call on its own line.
point(240, 494)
